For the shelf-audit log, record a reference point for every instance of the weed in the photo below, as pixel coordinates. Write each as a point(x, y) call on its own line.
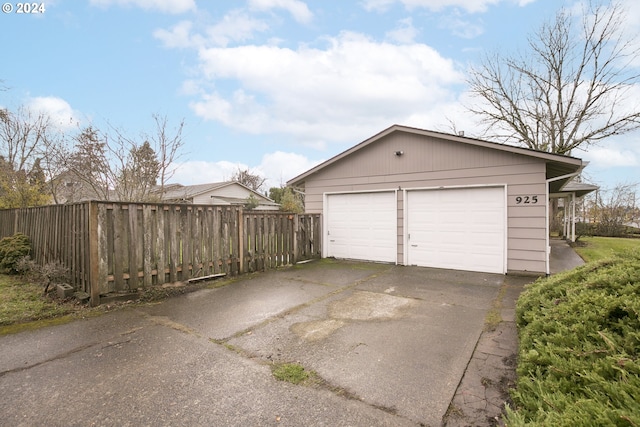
point(292, 373)
point(494, 316)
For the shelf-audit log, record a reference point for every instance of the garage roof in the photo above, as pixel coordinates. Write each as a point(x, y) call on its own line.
point(557, 165)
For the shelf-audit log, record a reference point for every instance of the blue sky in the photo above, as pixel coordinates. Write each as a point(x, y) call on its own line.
point(271, 85)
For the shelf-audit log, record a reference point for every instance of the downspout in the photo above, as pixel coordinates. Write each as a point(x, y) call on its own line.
point(548, 181)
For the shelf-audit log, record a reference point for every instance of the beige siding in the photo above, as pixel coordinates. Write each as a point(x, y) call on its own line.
point(234, 191)
point(203, 199)
point(430, 162)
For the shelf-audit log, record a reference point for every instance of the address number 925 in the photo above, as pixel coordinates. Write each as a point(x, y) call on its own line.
point(526, 200)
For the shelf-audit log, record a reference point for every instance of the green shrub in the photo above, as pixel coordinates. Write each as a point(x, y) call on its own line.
point(12, 249)
point(579, 358)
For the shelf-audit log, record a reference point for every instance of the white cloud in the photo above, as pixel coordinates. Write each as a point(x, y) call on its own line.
point(460, 26)
point(58, 110)
point(631, 27)
point(202, 172)
point(296, 8)
point(236, 26)
point(179, 36)
point(620, 152)
point(405, 33)
point(165, 6)
point(277, 168)
point(353, 85)
point(470, 6)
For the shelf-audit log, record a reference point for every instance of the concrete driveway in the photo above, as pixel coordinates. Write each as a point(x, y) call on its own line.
point(389, 343)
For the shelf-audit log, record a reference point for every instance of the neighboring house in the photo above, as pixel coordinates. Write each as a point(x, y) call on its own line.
point(216, 193)
point(68, 188)
point(569, 195)
point(417, 197)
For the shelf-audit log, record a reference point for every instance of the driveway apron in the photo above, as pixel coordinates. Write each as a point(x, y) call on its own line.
point(390, 345)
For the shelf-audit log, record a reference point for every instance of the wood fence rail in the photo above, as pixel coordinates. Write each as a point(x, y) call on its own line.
point(122, 247)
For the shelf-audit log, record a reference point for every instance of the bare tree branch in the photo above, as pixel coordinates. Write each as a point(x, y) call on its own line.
point(248, 179)
point(572, 89)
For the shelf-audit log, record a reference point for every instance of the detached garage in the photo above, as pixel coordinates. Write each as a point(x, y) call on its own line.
point(417, 197)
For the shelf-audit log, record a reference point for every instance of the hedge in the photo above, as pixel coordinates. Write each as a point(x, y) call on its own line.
point(579, 353)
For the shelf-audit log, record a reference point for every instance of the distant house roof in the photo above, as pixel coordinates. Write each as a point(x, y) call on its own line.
point(179, 191)
point(579, 188)
point(217, 191)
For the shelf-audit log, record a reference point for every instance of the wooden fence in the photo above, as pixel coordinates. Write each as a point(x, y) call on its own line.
point(121, 247)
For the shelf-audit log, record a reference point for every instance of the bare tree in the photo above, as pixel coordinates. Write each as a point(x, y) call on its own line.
point(21, 175)
point(143, 169)
point(248, 179)
point(167, 145)
point(21, 133)
point(571, 89)
point(117, 166)
point(614, 209)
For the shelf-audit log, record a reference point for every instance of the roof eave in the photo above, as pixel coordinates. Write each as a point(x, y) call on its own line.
point(563, 164)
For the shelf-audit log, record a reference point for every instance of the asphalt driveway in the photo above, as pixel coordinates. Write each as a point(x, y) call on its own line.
point(390, 343)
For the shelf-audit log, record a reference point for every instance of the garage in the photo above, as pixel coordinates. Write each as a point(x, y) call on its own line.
point(362, 226)
point(426, 198)
point(461, 228)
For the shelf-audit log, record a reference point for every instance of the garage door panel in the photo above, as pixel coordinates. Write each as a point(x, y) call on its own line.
point(362, 226)
point(457, 228)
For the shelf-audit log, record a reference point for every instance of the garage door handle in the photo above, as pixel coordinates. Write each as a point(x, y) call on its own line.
point(332, 240)
point(414, 246)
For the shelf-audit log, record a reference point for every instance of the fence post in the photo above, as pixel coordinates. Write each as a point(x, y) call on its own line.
point(296, 224)
point(241, 240)
point(94, 259)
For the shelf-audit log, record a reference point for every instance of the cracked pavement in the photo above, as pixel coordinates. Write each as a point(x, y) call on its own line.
point(390, 344)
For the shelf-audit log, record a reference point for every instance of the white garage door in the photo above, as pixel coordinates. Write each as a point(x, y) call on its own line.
point(362, 226)
point(461, 229)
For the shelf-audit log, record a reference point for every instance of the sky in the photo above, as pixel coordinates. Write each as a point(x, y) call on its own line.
point(273, 86)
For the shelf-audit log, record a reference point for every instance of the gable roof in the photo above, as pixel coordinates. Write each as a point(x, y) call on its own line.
point(558, 165)
point(179, 191)
point(579, 188)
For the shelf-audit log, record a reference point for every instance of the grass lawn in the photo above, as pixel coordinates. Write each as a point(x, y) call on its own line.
point(23, 305)
point(596, 248)
point(21, 302)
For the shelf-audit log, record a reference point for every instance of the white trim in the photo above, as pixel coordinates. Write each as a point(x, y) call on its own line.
point(405, 224)
point(573, 217)
point(547, 229)
point(384, 190)
point(453, 187)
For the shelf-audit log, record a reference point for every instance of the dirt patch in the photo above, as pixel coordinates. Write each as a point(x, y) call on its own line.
point(359, 306)
point(370, 306)
point(317, 330)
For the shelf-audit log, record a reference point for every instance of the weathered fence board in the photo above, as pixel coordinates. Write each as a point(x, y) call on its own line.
point(121, 247)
